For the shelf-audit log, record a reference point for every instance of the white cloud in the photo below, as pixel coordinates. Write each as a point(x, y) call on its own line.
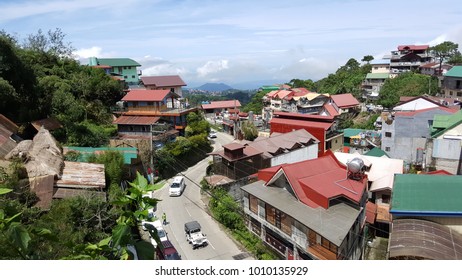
point(88, 52)
point(212, 67)
point(164, 69)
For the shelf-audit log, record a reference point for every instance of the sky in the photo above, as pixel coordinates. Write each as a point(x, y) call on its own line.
point(237, 41)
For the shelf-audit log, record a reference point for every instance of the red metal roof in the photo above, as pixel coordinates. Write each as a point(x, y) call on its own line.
point(221, 104)
point(163, 81)
point(146, 95)
point(301, 123)
point(300, 116)
point(317, 181)
point(344, 100)
point(413, 47)
point(330, 109)
point(438, 172)
point(136, 120)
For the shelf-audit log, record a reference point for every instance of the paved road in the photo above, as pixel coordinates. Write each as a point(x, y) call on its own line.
point(190, 206)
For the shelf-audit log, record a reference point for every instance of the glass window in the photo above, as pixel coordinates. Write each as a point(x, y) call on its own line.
point(253, 204)
point(270, 214)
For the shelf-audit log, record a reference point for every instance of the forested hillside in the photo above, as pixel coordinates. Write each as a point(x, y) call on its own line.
point(40, 79)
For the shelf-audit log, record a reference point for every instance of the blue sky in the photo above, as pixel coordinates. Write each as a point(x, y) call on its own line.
point(237, 41)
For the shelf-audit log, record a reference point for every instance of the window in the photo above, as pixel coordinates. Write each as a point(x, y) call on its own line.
point(125, 77)
point(253, 204)
point(459, 94)
point(129, 67)
point(387, 134)
point(458, 84)
point(133, 76)
point(387, 149)
point(286, 223)
point(270, 214)
point(125, 67)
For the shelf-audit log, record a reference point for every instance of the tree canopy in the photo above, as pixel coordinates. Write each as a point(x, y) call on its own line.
point(406, 84)
point(40, 79)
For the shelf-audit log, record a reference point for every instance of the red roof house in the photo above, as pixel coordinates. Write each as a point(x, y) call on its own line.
point(317, 182)
point(344, 101)
point(322, 128)
point(162, 81)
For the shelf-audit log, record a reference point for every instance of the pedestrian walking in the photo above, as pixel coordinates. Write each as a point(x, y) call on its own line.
point(164, 219)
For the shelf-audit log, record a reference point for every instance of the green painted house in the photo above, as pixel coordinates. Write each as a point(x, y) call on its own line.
point(123, 68)
point(452, 83)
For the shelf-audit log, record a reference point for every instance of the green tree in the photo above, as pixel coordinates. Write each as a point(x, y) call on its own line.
point(407, 84)
point(197, 124)
point(249, 130)
point(367, 58)
point(444, 51)
point(308, 84)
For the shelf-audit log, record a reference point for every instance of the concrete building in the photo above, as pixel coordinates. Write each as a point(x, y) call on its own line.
point(314, 209)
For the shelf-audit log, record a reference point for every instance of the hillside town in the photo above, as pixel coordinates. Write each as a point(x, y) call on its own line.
point(307, 187)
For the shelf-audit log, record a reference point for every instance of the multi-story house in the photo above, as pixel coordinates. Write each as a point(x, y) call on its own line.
point(405, 134)
point(380, 71)
point(313, 209)
point(238, 160)
point(324, 128)
point(452, 83)
point(372, 85)
point(409, 58)
point(433, 69)
point(427, 220)
point(124, 68)
point(345, 103)
point(446, 148)
point(153, 115)
point(173, 83)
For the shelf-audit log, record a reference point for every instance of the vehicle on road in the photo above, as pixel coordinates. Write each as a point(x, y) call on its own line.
point(194, 235)
point(161, 233)
point(177, 186)
point(167, 251)
point(212, 134)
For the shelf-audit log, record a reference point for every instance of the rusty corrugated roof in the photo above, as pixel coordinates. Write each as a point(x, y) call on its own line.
point(136, 120)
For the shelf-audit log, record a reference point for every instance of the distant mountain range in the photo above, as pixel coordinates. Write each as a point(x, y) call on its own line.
point(214, 87)
point(252, 85)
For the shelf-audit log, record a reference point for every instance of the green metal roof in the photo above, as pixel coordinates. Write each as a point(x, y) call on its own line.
point(114, 62)
point(128, 153)
point(418, 194)
point(442, 123)
point(377, 152)
point(455, 71)
point(348, 132)
point(377, 76)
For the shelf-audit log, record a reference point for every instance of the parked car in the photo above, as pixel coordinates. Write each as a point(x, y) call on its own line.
point(150, 226)
point(212, 134)
point(177, 186)
point(194, 235)
point(167, 251)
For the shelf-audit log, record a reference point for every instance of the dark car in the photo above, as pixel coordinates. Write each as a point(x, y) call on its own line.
point(167, 251)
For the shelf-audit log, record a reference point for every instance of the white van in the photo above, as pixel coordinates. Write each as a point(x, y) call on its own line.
point(177, 186)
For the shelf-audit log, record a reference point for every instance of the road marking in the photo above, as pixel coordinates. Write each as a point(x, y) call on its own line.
point(211, 244)
point(188, 212)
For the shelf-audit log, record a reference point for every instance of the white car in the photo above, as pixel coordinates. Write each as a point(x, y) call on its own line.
point(212, 134)
point(177, 186)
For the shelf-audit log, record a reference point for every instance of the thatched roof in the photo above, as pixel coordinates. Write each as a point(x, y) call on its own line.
point(41, 156)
